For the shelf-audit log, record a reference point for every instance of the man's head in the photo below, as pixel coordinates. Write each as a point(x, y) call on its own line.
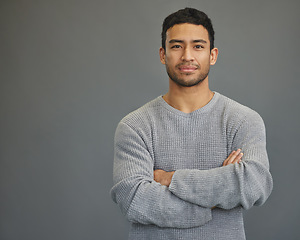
point(188, 15)
point(187, 47)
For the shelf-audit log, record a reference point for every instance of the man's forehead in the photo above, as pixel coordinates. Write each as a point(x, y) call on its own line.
point(187, 32)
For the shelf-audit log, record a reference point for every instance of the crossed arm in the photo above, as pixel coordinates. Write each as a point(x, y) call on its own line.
point(165, 178)
point(191, 194)
point(245, 184)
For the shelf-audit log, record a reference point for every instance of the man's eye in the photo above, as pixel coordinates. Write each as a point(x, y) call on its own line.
point(198, 46)
point(176, 46)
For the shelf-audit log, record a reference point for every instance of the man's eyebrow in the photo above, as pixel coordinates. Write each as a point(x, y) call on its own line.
point(181, 41)
point(199, 40)
point(176, 41)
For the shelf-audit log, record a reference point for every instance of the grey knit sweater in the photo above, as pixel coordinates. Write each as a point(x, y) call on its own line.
point(194, 145)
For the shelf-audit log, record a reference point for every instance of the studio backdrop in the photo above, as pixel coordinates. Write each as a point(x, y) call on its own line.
point(71, 70)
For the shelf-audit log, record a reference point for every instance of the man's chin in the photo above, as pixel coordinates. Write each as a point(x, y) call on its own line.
point(190, 83)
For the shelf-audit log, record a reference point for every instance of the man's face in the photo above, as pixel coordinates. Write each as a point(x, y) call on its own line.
point(187, 56)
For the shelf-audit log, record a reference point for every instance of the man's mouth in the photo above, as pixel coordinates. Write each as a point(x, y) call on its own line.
point(187, 68)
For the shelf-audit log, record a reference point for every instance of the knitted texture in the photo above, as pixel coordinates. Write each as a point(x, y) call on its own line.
point(194, 145)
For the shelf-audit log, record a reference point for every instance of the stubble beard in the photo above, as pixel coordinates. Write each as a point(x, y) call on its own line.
point(190, 83)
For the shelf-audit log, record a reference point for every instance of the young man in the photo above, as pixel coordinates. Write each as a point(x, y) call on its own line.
point(187, 163)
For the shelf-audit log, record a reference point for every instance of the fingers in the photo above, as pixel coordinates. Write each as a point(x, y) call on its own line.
point(238, 158)
point(234, 157)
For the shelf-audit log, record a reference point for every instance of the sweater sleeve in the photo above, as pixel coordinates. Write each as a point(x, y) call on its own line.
point(243, 184)
point(141, 199)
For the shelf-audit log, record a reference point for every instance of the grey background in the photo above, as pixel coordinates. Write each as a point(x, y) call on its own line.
point(70, 70)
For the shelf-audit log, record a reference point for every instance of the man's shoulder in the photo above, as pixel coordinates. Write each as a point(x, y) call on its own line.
point(142, 114)
point(234, 110)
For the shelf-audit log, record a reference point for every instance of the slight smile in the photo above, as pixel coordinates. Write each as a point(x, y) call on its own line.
point(187, 68)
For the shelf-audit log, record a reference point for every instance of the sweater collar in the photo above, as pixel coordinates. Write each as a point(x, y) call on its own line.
point(204, 109)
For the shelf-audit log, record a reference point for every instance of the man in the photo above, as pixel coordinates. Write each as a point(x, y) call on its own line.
point(187, 163)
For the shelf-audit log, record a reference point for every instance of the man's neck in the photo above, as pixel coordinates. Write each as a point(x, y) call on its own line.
point(188, 99)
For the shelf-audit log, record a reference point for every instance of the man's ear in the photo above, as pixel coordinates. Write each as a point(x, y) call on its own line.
point(213, 56)
point(162, 55)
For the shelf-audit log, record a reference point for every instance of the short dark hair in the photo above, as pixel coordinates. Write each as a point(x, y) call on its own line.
point(188, 15)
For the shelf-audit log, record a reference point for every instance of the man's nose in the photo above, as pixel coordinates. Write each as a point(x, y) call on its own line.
point(187, 55)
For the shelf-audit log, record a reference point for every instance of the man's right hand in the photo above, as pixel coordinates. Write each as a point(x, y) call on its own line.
point(234, 157)
point(163, 177)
